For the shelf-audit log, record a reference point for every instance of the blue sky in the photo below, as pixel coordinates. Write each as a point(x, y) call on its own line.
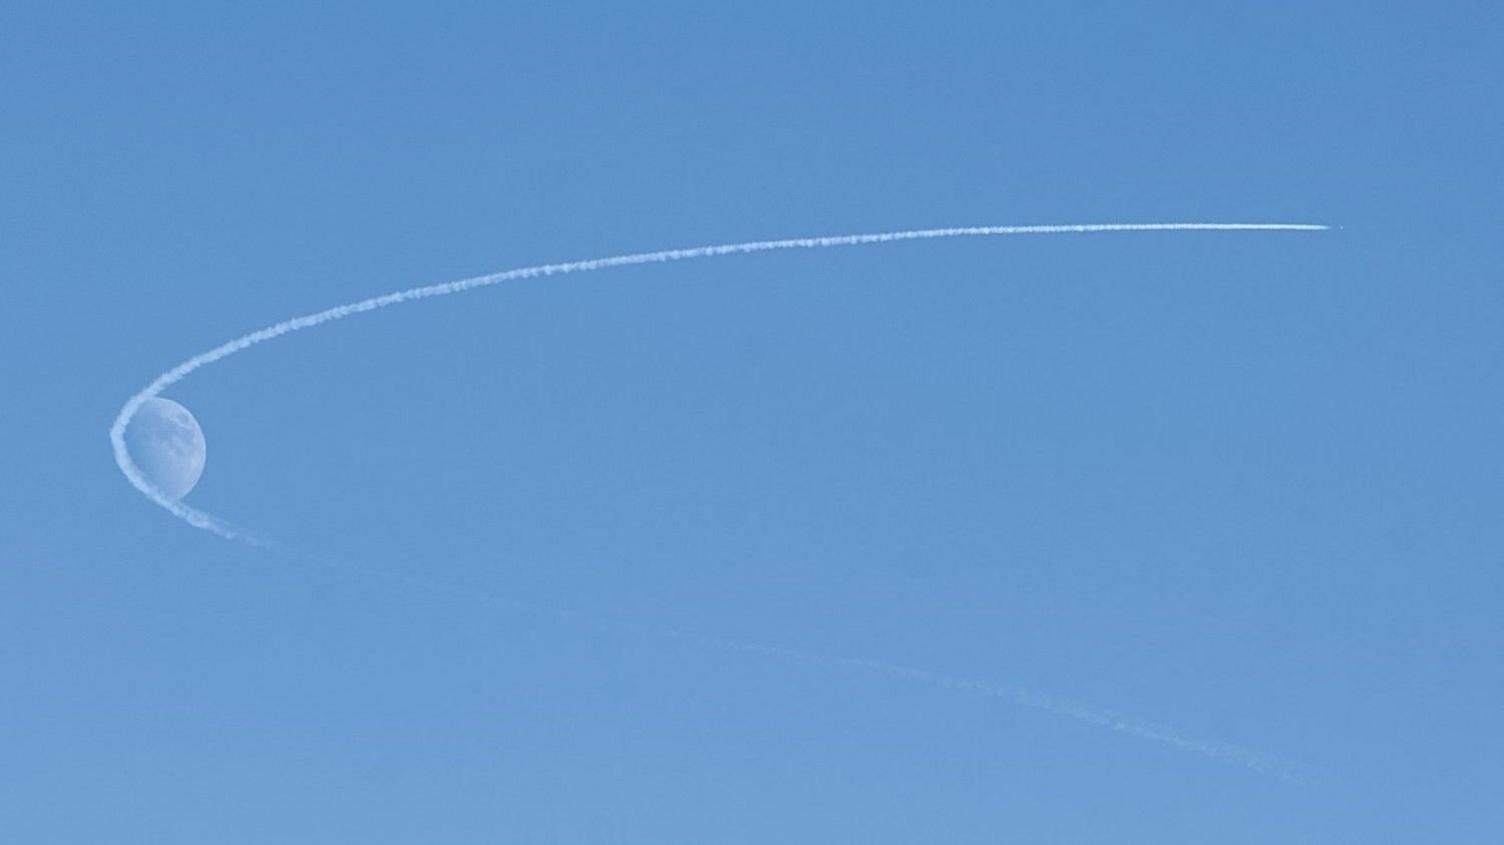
point(1246, 485)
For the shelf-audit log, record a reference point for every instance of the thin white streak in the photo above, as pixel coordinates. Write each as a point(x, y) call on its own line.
point(210, 522)
point(1259, 761)
point(1256, 760)
point(1262, 762)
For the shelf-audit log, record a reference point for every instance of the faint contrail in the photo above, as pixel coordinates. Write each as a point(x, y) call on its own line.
point(1256, 760)
point(228, 530)
point(1259, 761)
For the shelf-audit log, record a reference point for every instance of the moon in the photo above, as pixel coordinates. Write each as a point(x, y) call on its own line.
point(167, 445)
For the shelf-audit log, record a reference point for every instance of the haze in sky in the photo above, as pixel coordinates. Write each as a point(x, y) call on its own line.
point(772, 547)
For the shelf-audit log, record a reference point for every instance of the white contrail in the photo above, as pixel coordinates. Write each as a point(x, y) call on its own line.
point(1259, 761)
point(1256, 760)
point(209, 522)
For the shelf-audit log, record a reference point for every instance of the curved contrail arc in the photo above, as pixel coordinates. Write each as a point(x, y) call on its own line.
point(1090, 714)
point(228, 530)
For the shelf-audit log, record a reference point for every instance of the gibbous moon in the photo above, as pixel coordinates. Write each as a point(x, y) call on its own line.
point(167, 445)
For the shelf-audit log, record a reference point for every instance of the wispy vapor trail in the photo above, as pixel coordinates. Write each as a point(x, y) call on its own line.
point(228, 530)
point(1259, 761)
point(1252, 759)
point(1255, 760)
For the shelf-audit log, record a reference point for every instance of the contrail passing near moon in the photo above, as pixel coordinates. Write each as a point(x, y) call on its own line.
point(210, 522)
point(1040, 701)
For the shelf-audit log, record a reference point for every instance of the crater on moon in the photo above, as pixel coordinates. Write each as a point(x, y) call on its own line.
point(167, 445)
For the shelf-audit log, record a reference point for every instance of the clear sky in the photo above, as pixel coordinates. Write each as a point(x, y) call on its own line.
point(1245, 485)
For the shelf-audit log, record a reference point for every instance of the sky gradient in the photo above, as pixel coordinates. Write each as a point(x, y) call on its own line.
point(1245, 485)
